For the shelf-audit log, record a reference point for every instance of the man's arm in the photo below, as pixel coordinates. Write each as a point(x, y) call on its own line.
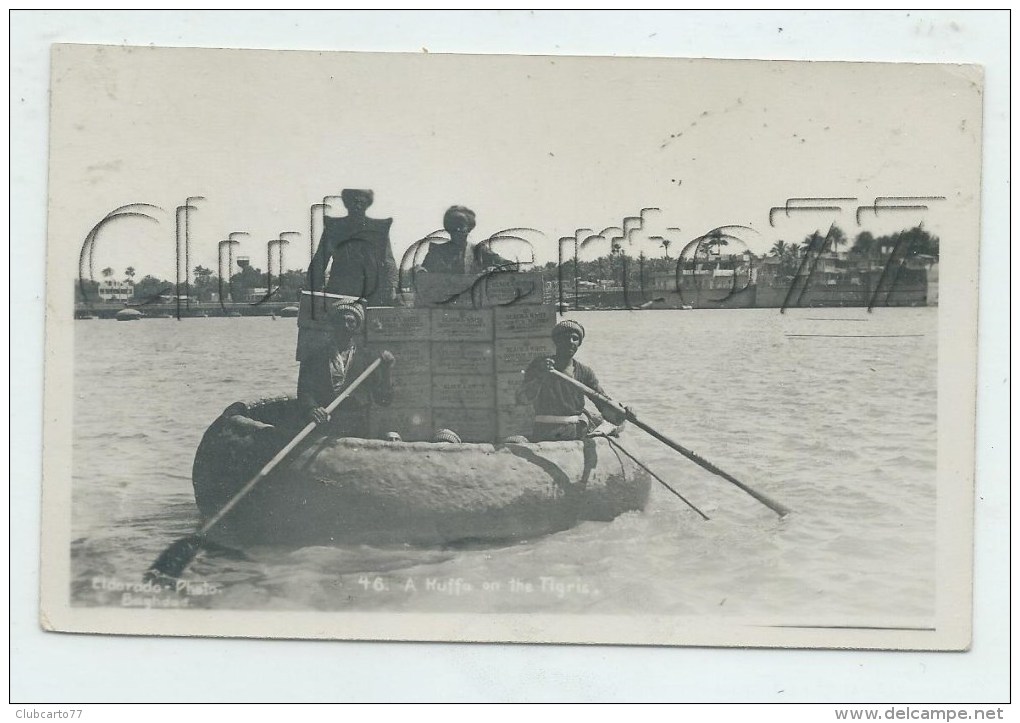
point(535, 377)
point(486, 258)
point(611, 412)
point(307, 392)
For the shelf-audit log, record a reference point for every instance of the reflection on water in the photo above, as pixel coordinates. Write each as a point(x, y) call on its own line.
point(841, 430)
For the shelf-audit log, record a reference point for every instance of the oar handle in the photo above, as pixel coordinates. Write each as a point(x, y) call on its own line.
point(282, 454)
point(776, 507)
point(593, 394)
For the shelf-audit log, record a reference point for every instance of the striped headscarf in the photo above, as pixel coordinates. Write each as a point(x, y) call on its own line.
point(566, 326)
point(446, 435)
point(338, 309)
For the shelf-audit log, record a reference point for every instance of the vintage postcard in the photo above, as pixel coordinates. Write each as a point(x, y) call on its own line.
point(511, 348)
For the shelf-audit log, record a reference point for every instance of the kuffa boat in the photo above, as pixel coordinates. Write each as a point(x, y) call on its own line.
point(362, 491)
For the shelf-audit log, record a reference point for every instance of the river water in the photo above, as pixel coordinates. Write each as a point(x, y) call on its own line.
point(830, 411)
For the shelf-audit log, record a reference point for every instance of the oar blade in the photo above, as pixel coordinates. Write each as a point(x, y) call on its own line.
point(174, 560)
point(705, 464)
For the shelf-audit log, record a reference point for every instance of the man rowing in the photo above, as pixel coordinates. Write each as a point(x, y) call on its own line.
point(559, 407)
point(326, 371)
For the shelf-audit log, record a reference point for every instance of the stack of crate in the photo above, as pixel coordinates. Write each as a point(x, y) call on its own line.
point(407, 334)
point(459, 368)
point(463, 373)
point(522, 332)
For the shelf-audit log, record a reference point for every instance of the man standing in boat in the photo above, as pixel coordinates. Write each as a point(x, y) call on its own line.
point(357, 251)
point(328, 370)
point(559, 407)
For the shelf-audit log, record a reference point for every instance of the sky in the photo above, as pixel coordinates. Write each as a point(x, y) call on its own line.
point(567, 147)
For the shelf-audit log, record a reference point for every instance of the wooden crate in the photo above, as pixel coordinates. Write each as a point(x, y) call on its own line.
point(412, 357)
point(412, 390)
point(512, 289)
point(514, 355)
point(397, 324)
point(445, 290)
point(478, 291)
point(508, 384)
point(462, 357)
point(461, 324)
point(413, 424)
point(514, 421)
point(471, 425)
point(476, 391)
point(518, 321)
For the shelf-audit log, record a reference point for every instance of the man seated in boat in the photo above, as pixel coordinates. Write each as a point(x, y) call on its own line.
point(559, 406)
point(457, 256)
point(325, 372)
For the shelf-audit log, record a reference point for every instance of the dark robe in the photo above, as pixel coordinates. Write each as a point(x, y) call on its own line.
point(460, 257)
point(327, 372)
point(552, 397)
point(360, 260)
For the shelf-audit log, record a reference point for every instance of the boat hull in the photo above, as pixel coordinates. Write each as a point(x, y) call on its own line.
point(347, 491)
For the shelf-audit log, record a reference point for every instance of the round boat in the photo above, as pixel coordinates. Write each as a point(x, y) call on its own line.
point(345, 490)
point(128, 315)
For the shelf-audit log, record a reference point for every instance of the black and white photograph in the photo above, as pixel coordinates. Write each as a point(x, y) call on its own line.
point(492, 348)
point(641, 351)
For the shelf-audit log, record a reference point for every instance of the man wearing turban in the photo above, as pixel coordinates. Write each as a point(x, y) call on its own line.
point(559, 406)
point(330, 369)
point(458, 256)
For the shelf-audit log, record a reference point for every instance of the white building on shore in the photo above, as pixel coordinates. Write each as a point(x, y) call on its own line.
point(112, 290)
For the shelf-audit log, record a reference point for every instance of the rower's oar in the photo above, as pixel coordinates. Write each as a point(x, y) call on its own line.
point(176, 558)
point(616, 445)
point(697, 459)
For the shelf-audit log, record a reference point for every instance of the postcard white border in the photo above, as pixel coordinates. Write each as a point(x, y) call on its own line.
point(21, 331)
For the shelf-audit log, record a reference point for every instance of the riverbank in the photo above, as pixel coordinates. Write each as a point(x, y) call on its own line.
point(189, 310)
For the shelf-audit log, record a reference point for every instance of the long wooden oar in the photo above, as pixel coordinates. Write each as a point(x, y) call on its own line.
point(176, 558)
point(697, 459)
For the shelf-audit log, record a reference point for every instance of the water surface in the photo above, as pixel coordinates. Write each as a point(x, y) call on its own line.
point(839, 428)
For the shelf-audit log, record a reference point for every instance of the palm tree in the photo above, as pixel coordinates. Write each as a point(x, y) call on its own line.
point(837, 237)
point(616, 251)
point(107, 272)
point(203, 282)
point(864, 244)
point(202, 274)
point(787, 255)
point(714, 243)
point(641, 271)
point(813, 242)
point(780, 249)
point(129, 272)
point(665, 245)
